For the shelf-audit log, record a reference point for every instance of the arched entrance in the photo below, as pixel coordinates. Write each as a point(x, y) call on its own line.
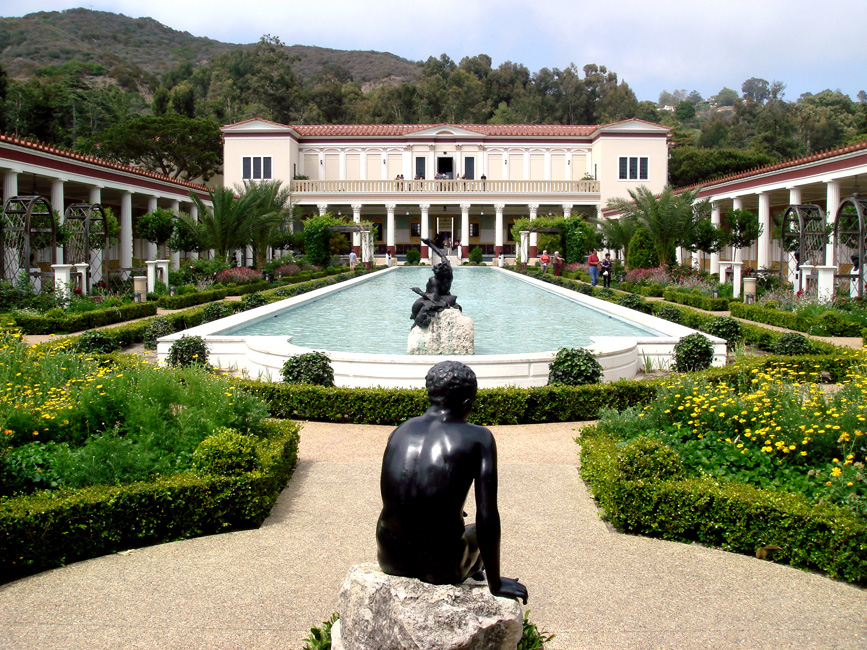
point(849, 232)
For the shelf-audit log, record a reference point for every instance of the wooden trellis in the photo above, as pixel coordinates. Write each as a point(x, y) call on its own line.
point(803, 235)
point(849, 245)
point(88, 239)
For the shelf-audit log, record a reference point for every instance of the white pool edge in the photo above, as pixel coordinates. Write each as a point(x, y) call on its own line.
point(262, 357)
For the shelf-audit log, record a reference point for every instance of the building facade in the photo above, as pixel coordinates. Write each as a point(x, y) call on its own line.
point(467, 183)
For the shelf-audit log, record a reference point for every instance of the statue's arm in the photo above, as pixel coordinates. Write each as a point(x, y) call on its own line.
point(488, 526)
point(438, 251)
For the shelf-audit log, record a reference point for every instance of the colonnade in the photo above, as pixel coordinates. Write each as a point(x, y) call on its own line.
point(466, 210)
point(93, 192)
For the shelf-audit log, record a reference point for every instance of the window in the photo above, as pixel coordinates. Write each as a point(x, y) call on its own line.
point(415, 230)
point(633, 168)
point(256, 168)
point(474, 230)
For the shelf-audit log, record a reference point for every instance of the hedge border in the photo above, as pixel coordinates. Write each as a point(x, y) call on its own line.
point(696, 300)
point(731, 516)
point(50, 529)
point(789, 320)
point(69, 323)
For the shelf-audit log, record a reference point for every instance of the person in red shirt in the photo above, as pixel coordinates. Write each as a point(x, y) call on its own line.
point(544, 259)
point(593, 267)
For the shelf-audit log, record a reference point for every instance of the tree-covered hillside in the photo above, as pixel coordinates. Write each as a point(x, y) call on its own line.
point(80, 78)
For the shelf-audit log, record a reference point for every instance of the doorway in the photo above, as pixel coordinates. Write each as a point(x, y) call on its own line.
point(446, 166)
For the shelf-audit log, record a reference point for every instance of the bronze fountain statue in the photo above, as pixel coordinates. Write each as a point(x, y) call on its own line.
point(436, 297)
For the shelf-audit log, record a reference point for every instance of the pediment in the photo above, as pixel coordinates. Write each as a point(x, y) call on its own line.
point(444, 131)
point(633, 125)
point(257, 125)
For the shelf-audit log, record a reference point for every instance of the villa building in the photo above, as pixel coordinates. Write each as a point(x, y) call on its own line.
point(465, 182)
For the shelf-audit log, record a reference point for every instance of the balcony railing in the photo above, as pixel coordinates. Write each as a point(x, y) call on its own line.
point(448, 186)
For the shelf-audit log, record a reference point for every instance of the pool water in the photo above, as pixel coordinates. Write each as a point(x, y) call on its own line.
point(510, 316)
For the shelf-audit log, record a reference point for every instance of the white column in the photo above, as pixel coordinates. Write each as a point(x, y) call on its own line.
point(567, 210)
point(323, 208)
point(716, 220)
point(96, 193)
point(57, 204)
point(425, 228)
point(534, 241)
point(832, 205)
point(175, 257)
point(465, 230)
point(194, 215)
point(498, 234)
point(150, 248)
point(356, 218)
point(548, 172)
point(363, 172)
point(126, 231)
point(389, 227)
point(763, 255)
point(341, 165)
point(737, 254)
point(10, 185)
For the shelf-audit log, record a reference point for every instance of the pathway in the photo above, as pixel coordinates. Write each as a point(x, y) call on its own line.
point(595, 588)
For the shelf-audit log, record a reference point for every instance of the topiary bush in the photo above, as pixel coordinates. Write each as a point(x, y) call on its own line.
point(188, 351)
point(413, 256)
point(670, 313)
point(574, 367)
point(475, 255)
point(227, 452)
point(311, 368)
point(642, 254)
point(631, 300)
point(253, 300)
point(158, 328)
point(648, 459)
point(693, 352)
point(725, 327)
point(215, 311)
point(793, 344)
point(96, 342)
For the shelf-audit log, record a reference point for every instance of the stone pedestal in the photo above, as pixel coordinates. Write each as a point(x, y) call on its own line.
point(81, 269)
point(140, 285)
point(449, 332)
point(826, 282)
point(749, 290)
point(382, 612)
point(62, 279)
point(736, 278)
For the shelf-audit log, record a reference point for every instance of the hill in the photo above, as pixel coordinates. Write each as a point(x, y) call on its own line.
point(141, 50)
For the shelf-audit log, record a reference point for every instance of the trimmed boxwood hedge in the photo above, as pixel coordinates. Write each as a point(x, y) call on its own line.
point(498, 405)
point(835, 326)
point(696, 300)
point(49, 529)
point(191, 299)
point(650, 290)
point(67, 323)
point(727, 515)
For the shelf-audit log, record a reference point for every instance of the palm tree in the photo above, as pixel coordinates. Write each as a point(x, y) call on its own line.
point(667, 218)
point(267, 204)
point(618, 232)
point(225, 227)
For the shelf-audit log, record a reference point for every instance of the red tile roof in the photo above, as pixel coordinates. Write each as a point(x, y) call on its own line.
point(783, 164)
point(349, 130)
point(36, 145)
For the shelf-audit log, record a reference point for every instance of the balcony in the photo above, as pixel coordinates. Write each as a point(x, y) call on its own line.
point(453, 187)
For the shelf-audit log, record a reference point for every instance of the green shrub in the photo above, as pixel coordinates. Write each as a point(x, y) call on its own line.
point(648, 459)
point(642, 254)
point(476, 255)
point(96, 341)
point(157, 328)
point(227, 452)
point(253, 300)
point(631, 300)
point(605, 292)
point(413, 256)
point(725, 327)
point(670, 313)
point(311, 368)
point(574, 367)
point(693, 352)
point(793, 344)
point(586, 289)
point(188, 351)
point(215, 311)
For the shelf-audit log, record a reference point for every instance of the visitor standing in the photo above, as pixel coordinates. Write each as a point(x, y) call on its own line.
point(558, 263)
point(593, 267)
point(606, 270)
point(353, 260)
point(544, 260)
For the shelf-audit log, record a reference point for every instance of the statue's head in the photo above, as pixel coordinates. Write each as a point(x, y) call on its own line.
point(444, 276)
point(451, 385)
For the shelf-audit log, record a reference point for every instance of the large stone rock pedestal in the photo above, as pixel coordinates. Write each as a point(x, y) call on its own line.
point(382, 612)
point(449, 332)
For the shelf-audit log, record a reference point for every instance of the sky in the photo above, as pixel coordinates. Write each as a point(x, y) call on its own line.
point(653, 46)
